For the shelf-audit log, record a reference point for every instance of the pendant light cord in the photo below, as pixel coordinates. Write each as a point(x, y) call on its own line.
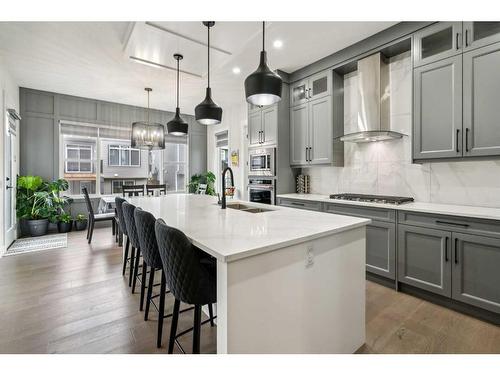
point(208, 27)
point(263, 35)
point(177, 83)
point(148, 107)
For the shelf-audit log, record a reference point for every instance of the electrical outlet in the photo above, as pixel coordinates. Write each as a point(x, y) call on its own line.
point(309, 256)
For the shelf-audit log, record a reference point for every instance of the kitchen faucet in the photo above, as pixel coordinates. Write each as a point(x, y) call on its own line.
point(224, 185)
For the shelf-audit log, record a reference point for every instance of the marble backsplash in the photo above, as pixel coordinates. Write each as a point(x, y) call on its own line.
point(385, 167)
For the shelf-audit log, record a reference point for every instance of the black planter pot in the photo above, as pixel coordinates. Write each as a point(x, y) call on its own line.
point(38, 227)
point(25, 229)
point(81, 225)
point(64, 227)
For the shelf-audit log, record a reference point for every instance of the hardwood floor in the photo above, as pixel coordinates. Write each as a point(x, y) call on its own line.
point(75, 300)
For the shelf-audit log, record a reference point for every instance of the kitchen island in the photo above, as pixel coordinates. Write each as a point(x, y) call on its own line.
point(288, 280)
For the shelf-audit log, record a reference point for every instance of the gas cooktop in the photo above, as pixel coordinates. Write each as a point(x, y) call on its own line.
point(371, 198)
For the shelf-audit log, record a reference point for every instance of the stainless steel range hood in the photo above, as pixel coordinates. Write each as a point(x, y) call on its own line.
point(373, 94)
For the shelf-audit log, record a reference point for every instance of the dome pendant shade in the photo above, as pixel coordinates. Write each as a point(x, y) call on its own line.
point(263, 87)
point(177, 126)
point(207, 112)
point(147, 135)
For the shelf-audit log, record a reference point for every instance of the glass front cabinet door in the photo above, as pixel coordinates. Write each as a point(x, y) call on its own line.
point(479, 34)
point(299, 93)
point(438, 41)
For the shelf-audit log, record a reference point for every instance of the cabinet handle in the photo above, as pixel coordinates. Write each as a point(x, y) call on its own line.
point(451, 223)
point(310, 153)
point(446, 249)
point(466, 139)
point(456, 40)
point(466, 37)
point(297, 204)
point(307, 159)
point(263, 136)
point(456, 250)
point(458, 134)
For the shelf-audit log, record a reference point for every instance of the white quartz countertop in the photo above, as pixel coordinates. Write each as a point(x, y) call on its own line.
point(231, 234)
point(432, 208)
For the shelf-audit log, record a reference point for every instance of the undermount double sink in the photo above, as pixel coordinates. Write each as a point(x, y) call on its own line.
point(245, 208)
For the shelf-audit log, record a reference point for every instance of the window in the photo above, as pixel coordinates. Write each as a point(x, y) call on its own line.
point(78, 158)
point(123, 156)
point(118, 184)
point(174, 166)
point(221, 143)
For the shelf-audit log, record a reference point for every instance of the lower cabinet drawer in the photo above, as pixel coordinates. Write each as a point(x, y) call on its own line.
point(295, 203)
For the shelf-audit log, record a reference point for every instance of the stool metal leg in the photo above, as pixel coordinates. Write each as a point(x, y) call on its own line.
point(149, 294)
point(125, 257)
point(132, 260)
point(161, 310)
point(143, 284)
point(173, 326)
point(136, 268)
point(197, 329)
point(211, 314)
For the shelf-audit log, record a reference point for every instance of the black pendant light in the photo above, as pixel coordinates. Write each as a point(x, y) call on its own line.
point(177, 126)
point(263, 87)
point(207, 112)
point(147, 135)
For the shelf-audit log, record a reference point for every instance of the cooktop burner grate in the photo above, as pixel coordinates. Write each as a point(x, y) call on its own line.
point(372, 198)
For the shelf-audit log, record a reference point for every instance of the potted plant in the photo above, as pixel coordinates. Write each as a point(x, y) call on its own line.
point(80, 222)
point(205, 178)
point(34, 204)
point(64, 223)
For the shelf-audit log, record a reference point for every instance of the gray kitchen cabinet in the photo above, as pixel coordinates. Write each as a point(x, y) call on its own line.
point(299, 134)
point(381, 248)
point(380, 236)
point(315, 87)
point(254, 127)
point(320, 131)
point(424, 258)
point(476, 276)
point(480, 33)
point(437, 122)
point(437, 42)
point(263, 126)
point(481, 85)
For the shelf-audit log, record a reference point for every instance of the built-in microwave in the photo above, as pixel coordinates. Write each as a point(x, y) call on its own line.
point(262, 162)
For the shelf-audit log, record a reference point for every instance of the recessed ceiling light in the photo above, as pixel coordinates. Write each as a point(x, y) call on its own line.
point(236, 70)
point(277, 43)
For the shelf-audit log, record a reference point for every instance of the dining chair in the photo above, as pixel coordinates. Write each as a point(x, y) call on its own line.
point(150, 189)
point(132, 190)
point(93, 218)
point(202, 189)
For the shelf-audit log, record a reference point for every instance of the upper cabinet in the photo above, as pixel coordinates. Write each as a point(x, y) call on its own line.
point(456, 82)
point(262, 126)
point(315, 87)
point(311, 121)
point(479, 34)
point(436, 42)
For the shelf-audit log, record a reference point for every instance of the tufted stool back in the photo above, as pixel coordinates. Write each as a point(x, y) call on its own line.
point(187, 279)
point(145, 224)
point(128, 216)
point(119, 212)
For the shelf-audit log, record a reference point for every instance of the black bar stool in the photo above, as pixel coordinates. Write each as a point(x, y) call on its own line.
point(191, 276)
point(123, 230)
point(128, 216)
point(145, 224)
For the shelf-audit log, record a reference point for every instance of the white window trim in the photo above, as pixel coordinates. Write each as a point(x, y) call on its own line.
point(79, 160)
point(121, 149)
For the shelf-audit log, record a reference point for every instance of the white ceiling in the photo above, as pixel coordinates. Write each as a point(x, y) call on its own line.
point(91, 59)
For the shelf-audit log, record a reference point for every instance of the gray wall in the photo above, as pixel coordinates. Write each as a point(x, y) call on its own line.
point(41, 112)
